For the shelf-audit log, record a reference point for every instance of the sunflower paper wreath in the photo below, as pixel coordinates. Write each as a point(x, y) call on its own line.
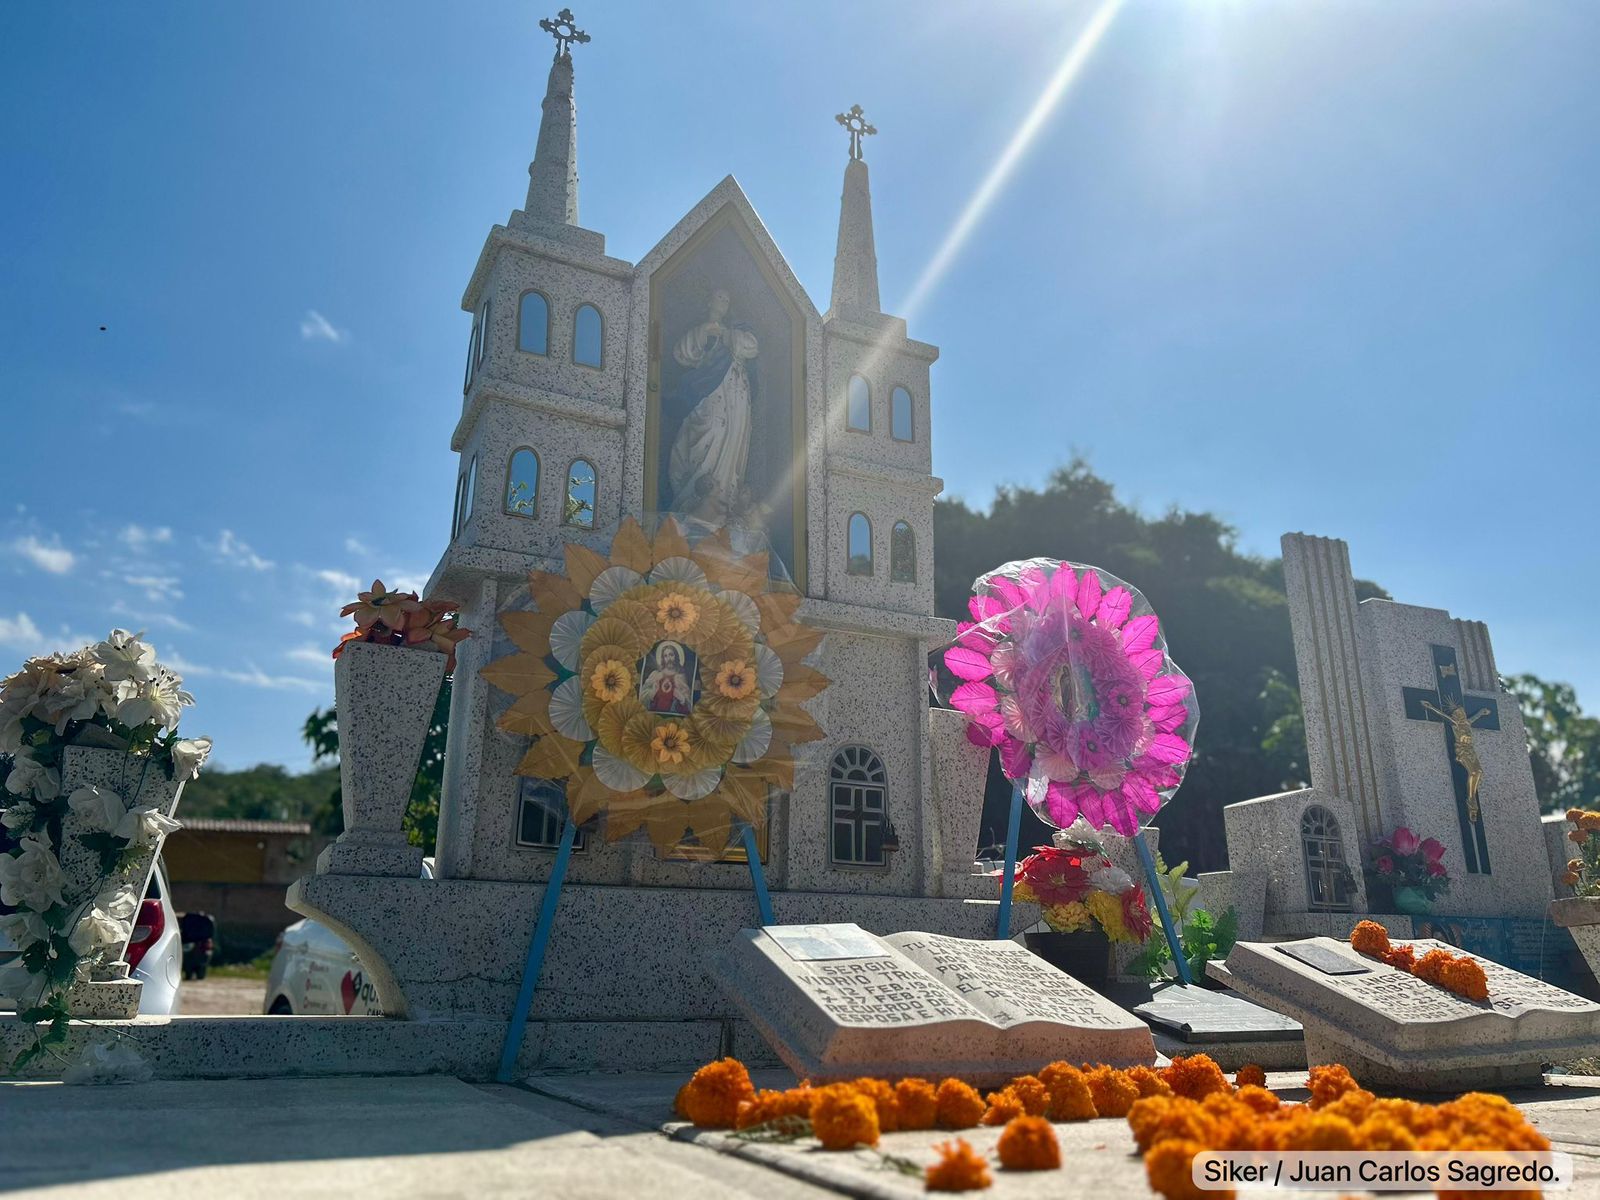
point(698, 755)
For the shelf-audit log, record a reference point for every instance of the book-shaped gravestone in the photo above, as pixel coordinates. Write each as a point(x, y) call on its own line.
point(837, 1002)
point(1392, 1029)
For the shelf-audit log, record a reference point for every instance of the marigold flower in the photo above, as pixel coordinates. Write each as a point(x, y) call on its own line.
point(1112, 1090)
point(883, 1099)
point(1578, 836)
point(1590, 821)
point(842, 1117)
point(1402, 957)
point(774, 1106)
point(670, 743)
point(1382, 1132)
point(960, 1106)
point(1431, 966)
point(1465, 977)
point(1368, 937)
point(1328, 1082)
point(1170, 1117)
point(1575, 815)
point(960, 1168)
point(736, 679)
point(1029, 1144)
point(1258, 1099)
point(1571, 877)
point(1004, 1107)
point(1250, 1075)
point(1148, 1081)
point(1195, 1077)
point(1353, 1106)
point(610, 680)
point(1323, 1132)
point(1070, 1098)
point(713, 1094)
point(918, 1103)
point(1168, 1166)
point(677, 613)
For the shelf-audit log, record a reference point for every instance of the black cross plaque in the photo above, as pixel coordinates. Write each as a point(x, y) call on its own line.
point(1482, 712)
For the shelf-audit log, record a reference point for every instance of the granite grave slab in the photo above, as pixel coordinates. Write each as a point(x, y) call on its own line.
point(837, 1002)
point(1395, 1030)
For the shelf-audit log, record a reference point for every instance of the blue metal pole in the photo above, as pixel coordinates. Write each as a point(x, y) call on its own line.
point(1013, 829)
point(758, 878)
point(1161, 907)
point(534, 963)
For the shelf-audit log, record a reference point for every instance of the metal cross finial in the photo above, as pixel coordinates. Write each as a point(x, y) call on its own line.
point(564, 31)
point(858, 127)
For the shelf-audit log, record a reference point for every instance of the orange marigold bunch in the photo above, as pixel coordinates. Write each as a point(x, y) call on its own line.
point(1258, 1099)
point(1250, 1075)
point(960, 1169)
point(713, 1094)
point(1460, 974)
point(883, 1099)
point(1368, 937)
point(1113, 1092)
point(843, 1117)
point(1328, 1082)
point(1195, 1077)
point(1148, 1081)
point(1159, 1118)
point(771, 1105)
point(960, 1106)
point(918, 1104)
point(1168, 1167)
point(1029, 1144)
point(1004, 1107)
point(1070, 1099)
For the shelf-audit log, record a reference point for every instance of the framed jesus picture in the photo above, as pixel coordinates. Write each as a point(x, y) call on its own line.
point(669, 679)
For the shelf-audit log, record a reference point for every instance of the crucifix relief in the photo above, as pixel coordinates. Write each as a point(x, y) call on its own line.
point(1462, 717)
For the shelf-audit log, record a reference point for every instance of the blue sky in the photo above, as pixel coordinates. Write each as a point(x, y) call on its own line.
point(1329, 267)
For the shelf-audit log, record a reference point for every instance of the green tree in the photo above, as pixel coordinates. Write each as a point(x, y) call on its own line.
point(1563, 743)
point(321, 733)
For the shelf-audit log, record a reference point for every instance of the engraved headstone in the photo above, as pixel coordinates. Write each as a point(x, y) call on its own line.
point(1393, 1029)
point(837, 1002)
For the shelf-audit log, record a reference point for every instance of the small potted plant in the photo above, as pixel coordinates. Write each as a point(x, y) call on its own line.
point(1088, 903)
point(1582, 875)
point(1411, 868)
point(1202, 937)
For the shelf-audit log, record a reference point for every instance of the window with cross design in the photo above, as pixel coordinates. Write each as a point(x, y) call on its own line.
point(1328, 878)
point(858, 804)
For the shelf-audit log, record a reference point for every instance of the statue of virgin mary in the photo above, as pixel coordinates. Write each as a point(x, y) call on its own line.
point(706, 467)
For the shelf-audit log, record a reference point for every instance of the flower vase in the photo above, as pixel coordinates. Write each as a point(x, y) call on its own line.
point(1084, 955)
point(384, 698)
point(1412, 901)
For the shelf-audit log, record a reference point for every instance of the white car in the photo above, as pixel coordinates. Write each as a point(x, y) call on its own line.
point(155, 952)
point(315, 973)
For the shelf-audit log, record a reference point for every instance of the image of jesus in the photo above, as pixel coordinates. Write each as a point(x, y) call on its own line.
point(665, 686)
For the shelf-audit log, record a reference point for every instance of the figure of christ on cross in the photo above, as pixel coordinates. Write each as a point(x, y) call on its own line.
point(1448, 705)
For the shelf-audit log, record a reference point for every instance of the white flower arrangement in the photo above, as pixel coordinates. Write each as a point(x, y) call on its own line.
point(113, 695)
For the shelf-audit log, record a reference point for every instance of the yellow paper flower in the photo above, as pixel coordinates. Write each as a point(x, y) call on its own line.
point(677, 613)
point(736, 679)
point(610, 680)
point(671, 744)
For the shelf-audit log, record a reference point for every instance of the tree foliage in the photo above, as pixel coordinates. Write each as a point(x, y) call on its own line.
point(1563, 743)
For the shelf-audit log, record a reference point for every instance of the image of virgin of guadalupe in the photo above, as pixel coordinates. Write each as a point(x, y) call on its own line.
point(666, 680)
point(707, 463)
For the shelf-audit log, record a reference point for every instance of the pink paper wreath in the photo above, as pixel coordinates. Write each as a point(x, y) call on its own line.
point(1063, 669)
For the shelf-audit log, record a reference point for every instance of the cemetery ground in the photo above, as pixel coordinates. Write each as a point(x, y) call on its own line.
point(578, 1135)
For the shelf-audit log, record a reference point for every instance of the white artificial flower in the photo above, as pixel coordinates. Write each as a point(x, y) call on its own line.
point(144, 826)
point(23, 929)
point(10, 731)
point(98, 930)
point(1111, 880)
point(188, 754)
point(32, 778)
point(105, 1062)
point(159, 700)
point(76, 693)
point(98, 808)
point(32, 879)
point(126, 656)
point(118, 900)
point(17, 816)
point(15, 979)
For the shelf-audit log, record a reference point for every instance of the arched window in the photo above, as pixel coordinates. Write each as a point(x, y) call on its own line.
point(858, 809)
point(582, 488)
point(900, 427)
point(483, 335)
point(902, 553)
point(472, 353)
point(461, 493)
point(588, 336)
point(533, 323)
point(542, 814)
point(859, 548)
point(1328, 879)
point(471, 493)
point(522, 483)
point(858, 405)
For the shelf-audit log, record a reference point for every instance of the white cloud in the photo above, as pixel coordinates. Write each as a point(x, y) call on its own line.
point(397, 580)
point(251, 676)
point(230, 548)
point(158, 589)
point(340, 581)
point(316, 656)
point(20, 633)
point(314, 327)
point(353, 545)
point(150, 620)
point(54, 558)
point(308, 619)
point(138, 537)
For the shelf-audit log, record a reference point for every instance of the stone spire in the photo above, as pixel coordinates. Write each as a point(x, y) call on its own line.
point(855, 261)
point(553, 173)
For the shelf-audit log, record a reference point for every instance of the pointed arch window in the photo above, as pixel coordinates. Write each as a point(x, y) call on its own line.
point(858, 405)
point(522, 483)
point(858, 808)
point(533, 323)
point(1328, 878)
point(588, 336)
point(483, 334)
point(901, 428)
point(469, 492)
point(859, 545)
point(582, 494)
point(472, 352)
point(902, 553)
point(455, 516)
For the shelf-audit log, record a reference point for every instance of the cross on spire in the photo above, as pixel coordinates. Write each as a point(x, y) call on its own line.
point(858, 127)
point(561, 28)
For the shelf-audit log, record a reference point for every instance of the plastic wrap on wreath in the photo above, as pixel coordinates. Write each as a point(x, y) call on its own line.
point(1064, 670)
point(661, 684)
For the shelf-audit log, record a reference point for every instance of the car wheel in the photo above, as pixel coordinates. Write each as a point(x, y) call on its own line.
point(280, 1008)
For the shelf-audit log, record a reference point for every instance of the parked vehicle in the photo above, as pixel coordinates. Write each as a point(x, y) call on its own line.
point(199, 933)
point(316, 973)
point(154, 951)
